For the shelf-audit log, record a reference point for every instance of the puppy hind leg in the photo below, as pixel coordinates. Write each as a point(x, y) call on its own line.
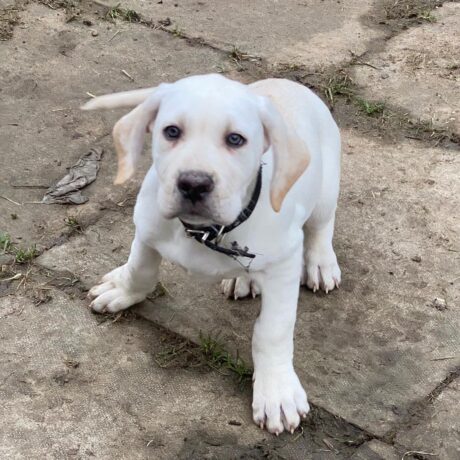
point(321, 269)
point(239, 288)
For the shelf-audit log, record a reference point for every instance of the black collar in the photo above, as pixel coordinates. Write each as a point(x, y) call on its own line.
point(212, 235)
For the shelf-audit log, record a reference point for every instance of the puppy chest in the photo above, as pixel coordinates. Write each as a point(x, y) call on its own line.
point(197, 259)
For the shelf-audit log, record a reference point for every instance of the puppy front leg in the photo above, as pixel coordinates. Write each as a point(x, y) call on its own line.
point(279, 399)
point(130, 283)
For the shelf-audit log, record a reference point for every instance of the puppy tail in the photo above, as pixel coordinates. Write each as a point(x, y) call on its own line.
point(123, 99)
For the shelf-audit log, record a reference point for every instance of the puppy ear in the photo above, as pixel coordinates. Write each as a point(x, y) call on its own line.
point(129, 133)
point(290, 153)
point(116, 100)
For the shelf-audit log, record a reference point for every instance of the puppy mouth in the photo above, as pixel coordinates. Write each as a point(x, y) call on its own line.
point(194, 219)
point(195, 214)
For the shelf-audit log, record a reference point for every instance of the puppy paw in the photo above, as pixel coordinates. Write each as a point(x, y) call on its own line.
point(113, 294)
point(239, 288)
point(279, 401)
point(321, 270)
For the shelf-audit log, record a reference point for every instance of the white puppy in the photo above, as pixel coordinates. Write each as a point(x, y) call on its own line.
point(205, 206)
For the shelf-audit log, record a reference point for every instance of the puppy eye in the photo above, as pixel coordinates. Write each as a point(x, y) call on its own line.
point(172, 132)
point(235, 140)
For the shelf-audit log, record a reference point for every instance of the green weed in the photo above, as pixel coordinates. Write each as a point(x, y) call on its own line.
point(218, 358)
point(369, 107)
point(5, 242)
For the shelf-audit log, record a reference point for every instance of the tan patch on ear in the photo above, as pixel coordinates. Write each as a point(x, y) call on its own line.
point(125, 170)
point(285, 178)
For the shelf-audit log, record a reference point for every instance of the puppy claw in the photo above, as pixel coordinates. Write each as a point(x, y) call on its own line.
point(261, 425)
point(292, 430)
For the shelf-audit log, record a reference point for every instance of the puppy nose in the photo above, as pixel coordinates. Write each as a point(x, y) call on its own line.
point(195, 185)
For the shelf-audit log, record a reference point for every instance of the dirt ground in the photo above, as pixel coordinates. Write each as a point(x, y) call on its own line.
point(171, 378)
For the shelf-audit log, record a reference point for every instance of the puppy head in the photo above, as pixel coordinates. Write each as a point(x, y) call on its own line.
point(208, 137)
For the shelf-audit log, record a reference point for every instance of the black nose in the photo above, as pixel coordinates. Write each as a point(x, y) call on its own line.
point(195, 185)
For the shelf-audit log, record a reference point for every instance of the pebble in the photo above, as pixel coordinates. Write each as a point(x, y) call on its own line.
point(439, 304)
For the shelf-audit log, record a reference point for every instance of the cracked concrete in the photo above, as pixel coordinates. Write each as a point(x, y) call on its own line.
point(258, 28)
point(372, 355)
point(419, 70)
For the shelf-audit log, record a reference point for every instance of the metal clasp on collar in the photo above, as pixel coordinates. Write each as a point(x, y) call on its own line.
point(203, 235)
point(220, 236)
point(193, 233)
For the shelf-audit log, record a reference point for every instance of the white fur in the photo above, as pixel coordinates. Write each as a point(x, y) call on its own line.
point(293, 246)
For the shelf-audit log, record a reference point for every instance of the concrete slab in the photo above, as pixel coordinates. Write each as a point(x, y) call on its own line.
point(364, 352)
point(76, 387)
point(418, 70)
point(47, 69)
point(437, 431)
point(312, 33)
point(73, 387)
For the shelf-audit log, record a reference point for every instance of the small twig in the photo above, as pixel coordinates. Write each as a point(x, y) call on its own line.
point(117, 318)
point(359, 62)
point(10, 200)
point(366, 63)
point(442, 359)
point(298, 436)
point(410, 452)
point(90, 94)
point(24, 279)
point(127, 74)
point(114, 35)
point(29, 186)
point(48, 5)
point(15, 277)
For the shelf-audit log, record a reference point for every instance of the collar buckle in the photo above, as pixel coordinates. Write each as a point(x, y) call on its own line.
point(200, 235)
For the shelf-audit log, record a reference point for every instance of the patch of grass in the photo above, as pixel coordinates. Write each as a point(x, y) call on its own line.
point(412, 10)
point(5, 242)
point(369, 107)
point(209, 353)
point(22, 256)
point(427, 16)
point(177, 32)
point(72, 8)
point(339, 84)
point(218, 358)
point(114, 13)
point(131, 16)
point(73, 224)
point(120, 13)
point(181, 353)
